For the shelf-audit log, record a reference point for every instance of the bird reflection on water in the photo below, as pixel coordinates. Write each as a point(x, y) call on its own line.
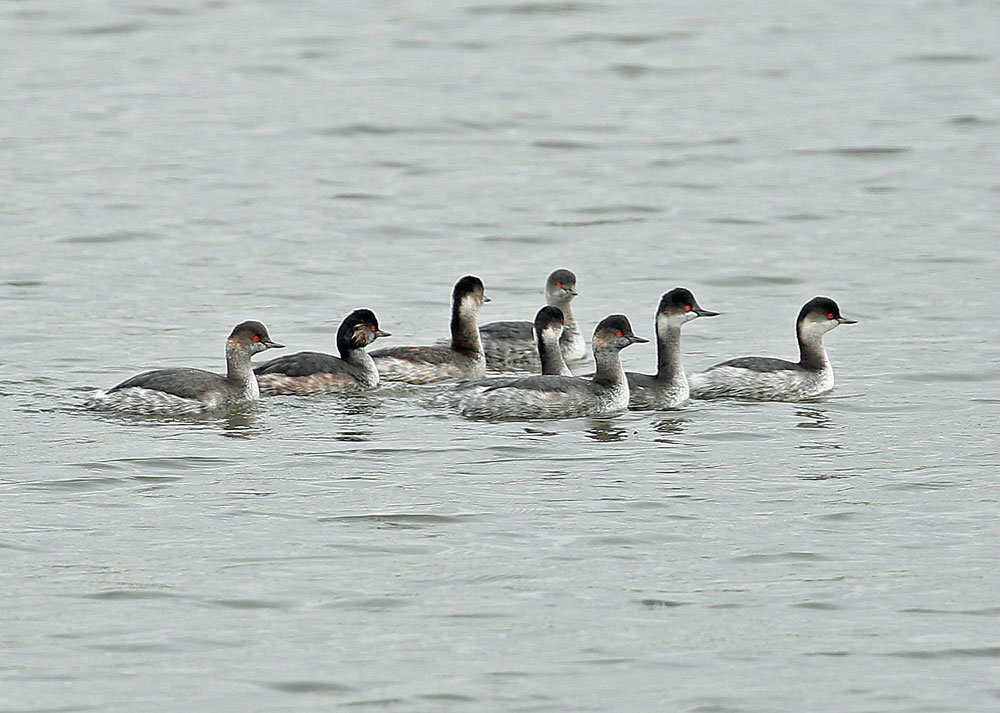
point(606, 431)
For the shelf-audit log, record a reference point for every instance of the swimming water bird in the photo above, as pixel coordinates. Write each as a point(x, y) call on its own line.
point(179, 392)
point(768, 379)
point(548, 326)
point(511, 344)
point(316, 373)
point(566, 396)
point(462, 359)
point(668, 388)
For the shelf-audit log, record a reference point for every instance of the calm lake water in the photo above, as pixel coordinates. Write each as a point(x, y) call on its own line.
point(170, 169)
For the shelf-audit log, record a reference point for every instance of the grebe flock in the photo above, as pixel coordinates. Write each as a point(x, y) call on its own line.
point(545, 344)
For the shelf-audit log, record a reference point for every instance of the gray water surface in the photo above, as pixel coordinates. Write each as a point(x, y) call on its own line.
point(172, 169)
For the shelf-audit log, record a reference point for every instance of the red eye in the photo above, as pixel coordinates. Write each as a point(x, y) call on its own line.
point(619, 333)
point(559, 285)
point(372, 328)
point(687, 308)
point(830, 316)
point(256, 338)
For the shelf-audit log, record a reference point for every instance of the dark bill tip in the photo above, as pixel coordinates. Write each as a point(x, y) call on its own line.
point(708, 313)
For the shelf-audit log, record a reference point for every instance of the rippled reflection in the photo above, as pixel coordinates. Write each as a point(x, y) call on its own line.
point(669, 427)
point(816, 417)
point(606, 431)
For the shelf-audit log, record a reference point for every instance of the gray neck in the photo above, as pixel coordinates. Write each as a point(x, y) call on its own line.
point(669, 367)
point(812, 355)
point(361, 359)
point(551, 355)
point(610, 371)
point(464, 332)
point(570, 328)
point(239, 371)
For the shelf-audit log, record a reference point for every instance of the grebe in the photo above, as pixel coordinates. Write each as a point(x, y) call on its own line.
point(317, 373)
point(768, 379)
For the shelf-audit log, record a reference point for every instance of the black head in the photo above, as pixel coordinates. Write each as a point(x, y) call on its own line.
point(547, 318)
point(822, 311)
point(470, 285)
point(615, 332)
point(680, 301)
point(561, 286)
point(358, 330)
point(253, 335)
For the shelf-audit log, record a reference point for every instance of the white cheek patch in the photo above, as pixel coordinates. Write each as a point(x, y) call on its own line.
point(813, 326)
point(676, 319)
point(468, 306)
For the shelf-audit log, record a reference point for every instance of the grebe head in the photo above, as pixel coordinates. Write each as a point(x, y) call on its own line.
point(469, 293)
point(251, 337)
point(358, 330)
point(679, 306)
point(549, 319)
point(819, 315)
point(560, 288)
point(614, 332)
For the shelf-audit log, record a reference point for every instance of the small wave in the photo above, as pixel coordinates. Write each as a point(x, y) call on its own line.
point(780, 557)
point(626, 38)
point(359, 197)
point(949, 376)
point(987, 611)
point(736, 436)
point(364, 129)
point(400, 518)
point(328, 687)
point(534, 8)
point(972, 120)
point(752, 280)
point(129, 594)
point(822, 606)
point(114, 236)
point(737, 221)
point(564, 145)
point(370, 604)
point(123, 28)
point(948, 57)
point(250, 604)
point(631, 70)
point(802, 217)
point(662, 603)
point(857, 151)
point(588, 223)
point(981, 652)
point(619, 208)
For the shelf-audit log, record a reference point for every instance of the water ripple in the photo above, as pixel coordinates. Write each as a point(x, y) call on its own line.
point(114, 236)
point(948, 57)
point(988, 611)
point(857, 151)
point(958, 653)
point(780, 557)
point(662, 603)
point(752, 281)
point(325, 687)
point(534, 8)
point(123, 28)
point(130, 594)
point(625, 38)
